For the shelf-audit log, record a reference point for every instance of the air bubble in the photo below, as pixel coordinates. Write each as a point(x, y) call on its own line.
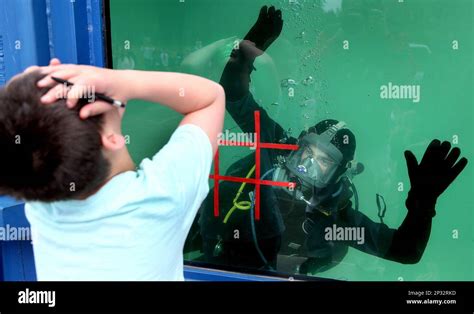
point(308, 81)
point(308, 102)
point(288, 82)
point(295, 5)
point(301, 35)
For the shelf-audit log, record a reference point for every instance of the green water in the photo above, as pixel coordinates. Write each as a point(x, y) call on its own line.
point(350, 48)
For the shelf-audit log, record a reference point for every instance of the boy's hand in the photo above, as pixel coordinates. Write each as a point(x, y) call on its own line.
point(53, 62)
point(86, 80)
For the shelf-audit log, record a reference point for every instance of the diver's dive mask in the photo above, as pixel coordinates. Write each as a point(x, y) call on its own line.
point(314, 164)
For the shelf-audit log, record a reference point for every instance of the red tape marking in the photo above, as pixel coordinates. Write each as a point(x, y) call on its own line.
point(216, 184)
point(258, 182)
point(257, 165)
point(251, 181)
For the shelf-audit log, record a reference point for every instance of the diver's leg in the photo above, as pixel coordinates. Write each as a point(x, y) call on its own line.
point(245, 254)
point(270, 248)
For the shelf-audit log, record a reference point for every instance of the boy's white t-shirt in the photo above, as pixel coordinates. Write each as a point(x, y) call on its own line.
point(135, 226)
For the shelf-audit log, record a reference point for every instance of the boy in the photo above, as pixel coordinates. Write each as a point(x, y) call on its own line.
point(93, 214)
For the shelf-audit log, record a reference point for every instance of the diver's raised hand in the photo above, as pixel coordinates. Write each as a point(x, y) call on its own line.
point(266, 29)
point(438, 168)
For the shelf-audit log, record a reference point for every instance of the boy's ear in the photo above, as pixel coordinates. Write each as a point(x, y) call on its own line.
point(113, 141)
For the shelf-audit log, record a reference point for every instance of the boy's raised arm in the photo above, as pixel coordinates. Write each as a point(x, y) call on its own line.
point(202, 101)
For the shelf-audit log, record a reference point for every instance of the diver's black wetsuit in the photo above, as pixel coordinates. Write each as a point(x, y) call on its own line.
point(233, 243)
point(236, 235)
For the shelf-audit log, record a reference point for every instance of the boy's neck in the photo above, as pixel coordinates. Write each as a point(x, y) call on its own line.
point(118, 166)
point(123, 163)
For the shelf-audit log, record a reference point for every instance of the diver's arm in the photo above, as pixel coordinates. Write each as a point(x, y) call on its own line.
point(236, 75)
point(235, 78)
point(377, 237)
point(438, 168)
point(241, 104)
point(262, 34)
point(410, 239)
point(403, 245)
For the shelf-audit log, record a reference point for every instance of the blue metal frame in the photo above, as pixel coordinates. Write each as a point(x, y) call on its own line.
point(31, 33)
point(16, 257)
point(76, 31)
point(192, 273)
point(34, 31)
point(23, 30)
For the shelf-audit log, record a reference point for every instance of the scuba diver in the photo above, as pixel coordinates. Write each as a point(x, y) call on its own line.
point(322, 170)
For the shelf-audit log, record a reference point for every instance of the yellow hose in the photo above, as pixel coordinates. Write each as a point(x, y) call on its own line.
point(242, 205)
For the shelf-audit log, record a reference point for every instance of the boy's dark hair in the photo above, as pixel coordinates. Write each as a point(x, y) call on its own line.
point(47, 152)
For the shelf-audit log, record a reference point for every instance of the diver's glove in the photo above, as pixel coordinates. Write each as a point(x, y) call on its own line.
point(236, 76)
point(263, 33)
point(428, 179)
point(266, 29)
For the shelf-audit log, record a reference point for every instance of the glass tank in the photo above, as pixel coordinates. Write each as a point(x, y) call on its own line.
point(323, 99)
